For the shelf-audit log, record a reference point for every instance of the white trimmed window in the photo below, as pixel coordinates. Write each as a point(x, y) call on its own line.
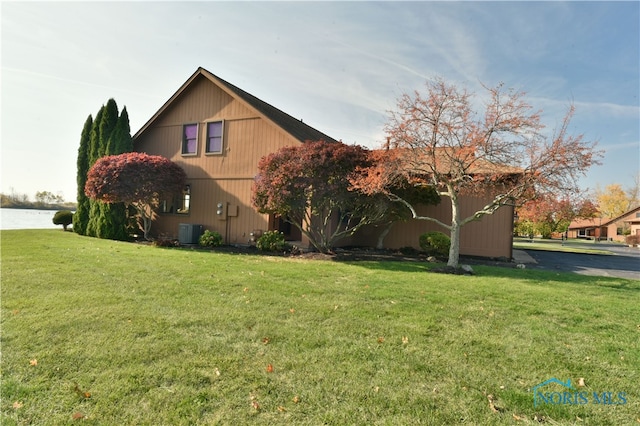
point(179, 204)
point(215, 132)
point(190, 139)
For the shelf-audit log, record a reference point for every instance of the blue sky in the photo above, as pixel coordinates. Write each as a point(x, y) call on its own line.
point(339, 66)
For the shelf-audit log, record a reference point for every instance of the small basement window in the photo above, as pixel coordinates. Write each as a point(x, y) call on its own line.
point(190, 139)
point(179, 204)
point(214, 137)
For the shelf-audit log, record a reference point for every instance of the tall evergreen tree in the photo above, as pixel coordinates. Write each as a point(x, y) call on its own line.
point(111, 220)
point(120, 140)
point(81, 217)
point(107, 134)
point(110, 135)
point(94, 139)
point(95, 152)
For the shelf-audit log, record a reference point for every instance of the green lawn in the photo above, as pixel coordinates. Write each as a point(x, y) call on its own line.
point(113, 333)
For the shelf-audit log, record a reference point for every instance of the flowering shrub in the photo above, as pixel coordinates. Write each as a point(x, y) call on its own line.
point(210, 239)
point(271, 241)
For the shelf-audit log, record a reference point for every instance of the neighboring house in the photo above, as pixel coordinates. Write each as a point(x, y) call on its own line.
point(611, 229)
point(217, 133)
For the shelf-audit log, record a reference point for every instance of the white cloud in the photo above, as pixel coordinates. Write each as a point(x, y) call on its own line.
point(338, 65)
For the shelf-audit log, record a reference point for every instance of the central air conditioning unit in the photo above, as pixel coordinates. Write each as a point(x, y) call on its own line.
point(189, 233)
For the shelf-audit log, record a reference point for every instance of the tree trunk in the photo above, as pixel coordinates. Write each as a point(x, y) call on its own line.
point(454, 250)
point(145, 218)
point(383, 234)
point(146, 225)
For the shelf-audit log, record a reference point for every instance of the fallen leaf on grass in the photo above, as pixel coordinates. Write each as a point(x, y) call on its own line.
point(80, 392)
point(217, 371)
point(254, 402)
point(292, 310)
point(405, 340)
point(77, 416)
point(265, 340)
point(269, 368)
point(380, 339)
point(492, 404)
point(281, 409)
point(581, 382)
point(296, 399)
point(33, 362)
point(517, 418)
point(17, 404)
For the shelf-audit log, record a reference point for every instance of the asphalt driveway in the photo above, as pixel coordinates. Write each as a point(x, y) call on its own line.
point(625, 263)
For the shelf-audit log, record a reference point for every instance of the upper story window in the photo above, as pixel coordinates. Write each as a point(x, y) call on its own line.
point(189, 139)
point(214, 137)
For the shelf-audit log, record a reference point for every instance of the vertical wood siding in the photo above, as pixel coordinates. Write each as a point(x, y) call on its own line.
point(227, 177)
point(214, 178)
point(489, 237)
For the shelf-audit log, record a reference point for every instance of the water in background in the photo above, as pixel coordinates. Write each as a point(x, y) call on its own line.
point(27, 219)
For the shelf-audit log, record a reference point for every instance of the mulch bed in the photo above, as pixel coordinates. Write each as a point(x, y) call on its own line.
point(356, 254)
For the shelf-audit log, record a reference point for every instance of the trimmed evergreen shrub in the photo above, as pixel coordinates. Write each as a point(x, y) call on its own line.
point(64, 218)
point(271, 241)
point(435, 243)
point(210, 239)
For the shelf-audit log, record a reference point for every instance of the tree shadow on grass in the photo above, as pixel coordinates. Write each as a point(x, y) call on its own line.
point(394, 261)
point(491, 269)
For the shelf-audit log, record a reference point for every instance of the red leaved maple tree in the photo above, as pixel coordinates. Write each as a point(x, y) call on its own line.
point(438, 139)
point(136, 179)
point(308, 186)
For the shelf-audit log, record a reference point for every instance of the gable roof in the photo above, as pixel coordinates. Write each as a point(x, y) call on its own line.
point(595, 222)
point(605, 221)
point(296, 128)
point(631, 219)
point(448, 159)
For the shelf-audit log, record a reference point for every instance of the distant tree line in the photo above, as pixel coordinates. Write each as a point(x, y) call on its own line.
point(44, 200)
point(108, 134)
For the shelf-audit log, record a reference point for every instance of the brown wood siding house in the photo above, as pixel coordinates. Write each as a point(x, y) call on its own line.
point(217, 133)
point(612, 229)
